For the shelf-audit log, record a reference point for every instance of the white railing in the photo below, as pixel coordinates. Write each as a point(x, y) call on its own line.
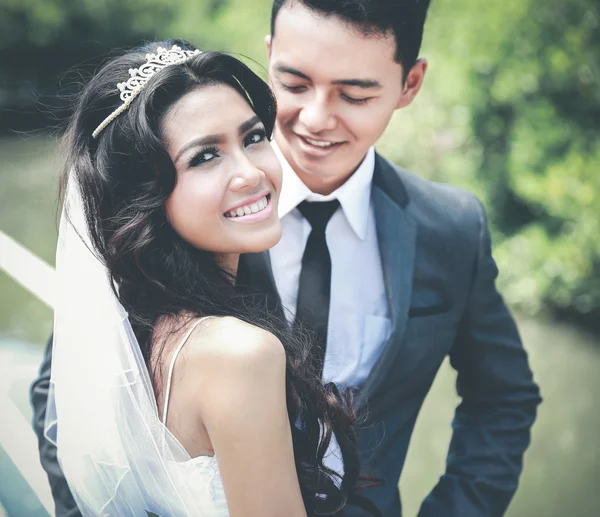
point(17, 438)
point(28, 270)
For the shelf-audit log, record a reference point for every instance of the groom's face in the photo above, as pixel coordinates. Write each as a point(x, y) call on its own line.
point(336, 91)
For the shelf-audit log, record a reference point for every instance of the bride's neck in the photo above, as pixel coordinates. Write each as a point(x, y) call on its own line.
point(229, 262)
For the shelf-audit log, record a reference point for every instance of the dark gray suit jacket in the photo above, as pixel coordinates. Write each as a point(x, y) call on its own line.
point(440, 279)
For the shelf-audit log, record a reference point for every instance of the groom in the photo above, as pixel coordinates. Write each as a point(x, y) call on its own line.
point(394, 272)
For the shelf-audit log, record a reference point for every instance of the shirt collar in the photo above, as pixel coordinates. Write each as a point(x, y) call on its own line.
point(354, 195)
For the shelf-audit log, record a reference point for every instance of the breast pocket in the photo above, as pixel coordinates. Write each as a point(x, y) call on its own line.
point(418, 325)
point(425, 343)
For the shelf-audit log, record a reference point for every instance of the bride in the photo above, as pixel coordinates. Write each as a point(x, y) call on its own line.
point(174, 392)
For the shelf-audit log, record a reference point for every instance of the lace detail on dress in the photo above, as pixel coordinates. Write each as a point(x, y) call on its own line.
point(209, 463)
point(215, 476)
point(201, 475)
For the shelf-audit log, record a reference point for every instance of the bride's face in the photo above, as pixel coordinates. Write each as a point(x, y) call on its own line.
point(228, 176)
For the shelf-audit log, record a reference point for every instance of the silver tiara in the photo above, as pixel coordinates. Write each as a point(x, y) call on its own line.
point(140, 76)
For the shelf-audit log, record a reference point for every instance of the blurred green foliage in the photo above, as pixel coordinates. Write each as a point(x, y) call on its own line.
point(510, 109)
point(517, 86)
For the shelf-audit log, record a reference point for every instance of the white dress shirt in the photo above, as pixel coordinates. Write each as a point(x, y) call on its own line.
point(359, 321)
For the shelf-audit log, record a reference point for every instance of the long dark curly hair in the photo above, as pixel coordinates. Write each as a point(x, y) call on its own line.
point(125, 176)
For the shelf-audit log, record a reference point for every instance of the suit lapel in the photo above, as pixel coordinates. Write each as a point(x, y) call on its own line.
point(396, 233)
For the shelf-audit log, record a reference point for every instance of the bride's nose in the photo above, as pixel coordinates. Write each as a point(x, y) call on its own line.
point(246, 175)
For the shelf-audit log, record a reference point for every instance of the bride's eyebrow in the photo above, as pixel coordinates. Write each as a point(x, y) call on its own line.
point(217, 139)
point(249, 124)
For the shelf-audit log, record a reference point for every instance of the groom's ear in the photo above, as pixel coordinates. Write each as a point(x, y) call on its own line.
point(268, 44)
point(413, 83)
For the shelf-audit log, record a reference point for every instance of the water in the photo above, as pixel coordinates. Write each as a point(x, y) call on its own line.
point(561, 467)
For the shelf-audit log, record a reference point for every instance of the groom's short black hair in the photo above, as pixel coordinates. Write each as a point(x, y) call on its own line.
point(404, 19)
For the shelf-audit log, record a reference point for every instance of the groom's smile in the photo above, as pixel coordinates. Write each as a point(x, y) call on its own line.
point(336, 91)
point(319, 148)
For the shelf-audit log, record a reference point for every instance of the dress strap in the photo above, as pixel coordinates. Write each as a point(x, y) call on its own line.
point(172, 367)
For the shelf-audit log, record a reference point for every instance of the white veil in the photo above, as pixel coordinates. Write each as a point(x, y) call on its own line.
point(117, 457)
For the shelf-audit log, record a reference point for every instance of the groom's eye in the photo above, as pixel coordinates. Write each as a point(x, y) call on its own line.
point(293, 89)
point(354, 100)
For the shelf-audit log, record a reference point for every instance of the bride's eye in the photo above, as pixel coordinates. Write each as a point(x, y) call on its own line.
point(204, 156)
point(255, 137)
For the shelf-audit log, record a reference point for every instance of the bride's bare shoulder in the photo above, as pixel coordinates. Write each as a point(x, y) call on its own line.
point(229, 338)
point(226, 347)
point(213, 335)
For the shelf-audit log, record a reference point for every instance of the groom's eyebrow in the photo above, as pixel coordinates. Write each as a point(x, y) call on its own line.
point(282, 69)
point(360, 83)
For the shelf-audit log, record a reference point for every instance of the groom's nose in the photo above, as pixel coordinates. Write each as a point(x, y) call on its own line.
point(316, 114)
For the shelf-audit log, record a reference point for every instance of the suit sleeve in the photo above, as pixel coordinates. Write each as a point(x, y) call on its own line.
point(65, 505)
point(491, 427)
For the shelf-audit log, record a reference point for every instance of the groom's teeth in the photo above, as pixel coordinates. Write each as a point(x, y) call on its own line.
point(252, 208)
point(318, 143)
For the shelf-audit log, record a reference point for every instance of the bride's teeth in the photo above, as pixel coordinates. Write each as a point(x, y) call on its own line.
point(249, 209)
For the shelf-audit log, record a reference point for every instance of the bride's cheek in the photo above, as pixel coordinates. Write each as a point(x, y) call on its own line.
point(269, 164)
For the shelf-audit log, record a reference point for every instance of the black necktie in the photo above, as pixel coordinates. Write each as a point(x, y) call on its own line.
point(312, 309)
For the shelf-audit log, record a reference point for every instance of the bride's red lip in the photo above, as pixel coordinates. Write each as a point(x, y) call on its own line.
point(249, 201)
